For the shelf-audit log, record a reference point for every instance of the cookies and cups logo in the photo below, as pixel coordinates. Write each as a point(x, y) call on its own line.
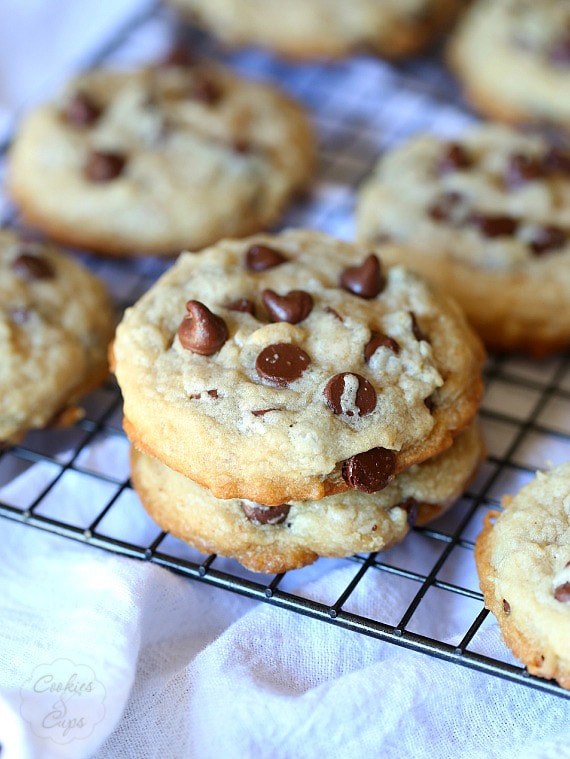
point(62, 701)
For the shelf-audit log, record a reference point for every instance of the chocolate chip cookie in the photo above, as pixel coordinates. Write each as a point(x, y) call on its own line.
point(291, 535)
point(160, 159)
point(55, 325)
point(485, 217)
point(324, 28)
point(523, 561)
point(294, 366)
point(513, 59)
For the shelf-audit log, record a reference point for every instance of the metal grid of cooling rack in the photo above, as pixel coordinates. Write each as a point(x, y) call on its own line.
point(360, 107)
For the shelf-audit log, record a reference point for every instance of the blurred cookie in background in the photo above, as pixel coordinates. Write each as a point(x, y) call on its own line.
point(486, 217)
point(160, 159)
point(324, 28)
point(56, 322)
point(513, 60)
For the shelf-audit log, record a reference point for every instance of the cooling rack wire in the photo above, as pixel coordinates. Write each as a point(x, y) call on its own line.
point(360, 107)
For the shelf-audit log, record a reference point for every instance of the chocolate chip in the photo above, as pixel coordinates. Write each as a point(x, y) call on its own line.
point(455, 157)
point(205, 90)
point(243, 305)
point(366, 280)
point(522, 168)
point(291, 308)
point(201, 331)
point(491, 225)
point(30, 267)
point(417, 330)
point(178, 55)
point(444, 206)
point(81, 110)
point(562, 593)
point(548, 238)
point(243, 146)
point(557, 161)
point(411, 507)
point(102, 167)
point(259, 514)
point(364, 399)
point(282, 363)
point(263, 411)
point(334, 312)
point(506, 607)
point(371, 470)
point(213, 393)
point(262, 257)
point(379, 340)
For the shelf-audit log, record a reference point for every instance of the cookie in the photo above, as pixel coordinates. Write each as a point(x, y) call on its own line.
point(160, 159)
point(324, 28)
point(485, 217)
point(55, 325)
point(294, 366)
point(288, 536)
point(513, 60)
point(523, 561)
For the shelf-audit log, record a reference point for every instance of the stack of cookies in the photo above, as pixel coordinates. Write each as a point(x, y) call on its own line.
point(290, 397)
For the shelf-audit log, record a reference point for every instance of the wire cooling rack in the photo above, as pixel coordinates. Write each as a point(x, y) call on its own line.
point(360, 107)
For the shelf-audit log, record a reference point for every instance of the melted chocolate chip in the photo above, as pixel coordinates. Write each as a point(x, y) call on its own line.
point(364, 399)
point(417, 330)
point(522, 168)
point(556, 161)
point(243, 305)
point(562, 593)
point(366, 280)
point(506, 607)
point(444, 206)
point(491, 225)
point(30, 267)
point(411, 507)
point(370, 471)
point(102, 167)
point(259, 514)
point(262, 257)
point(178, 55)
point(548, 238)
point(205, 90)
point(379, 340)
point(282, 363)
point(291, 308)
point(81, 110)
point(213, 393)
point(201, 331)
point(263, 411)
point(454, 158)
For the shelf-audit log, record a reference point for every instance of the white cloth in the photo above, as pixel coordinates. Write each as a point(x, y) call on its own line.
point(109, 657)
